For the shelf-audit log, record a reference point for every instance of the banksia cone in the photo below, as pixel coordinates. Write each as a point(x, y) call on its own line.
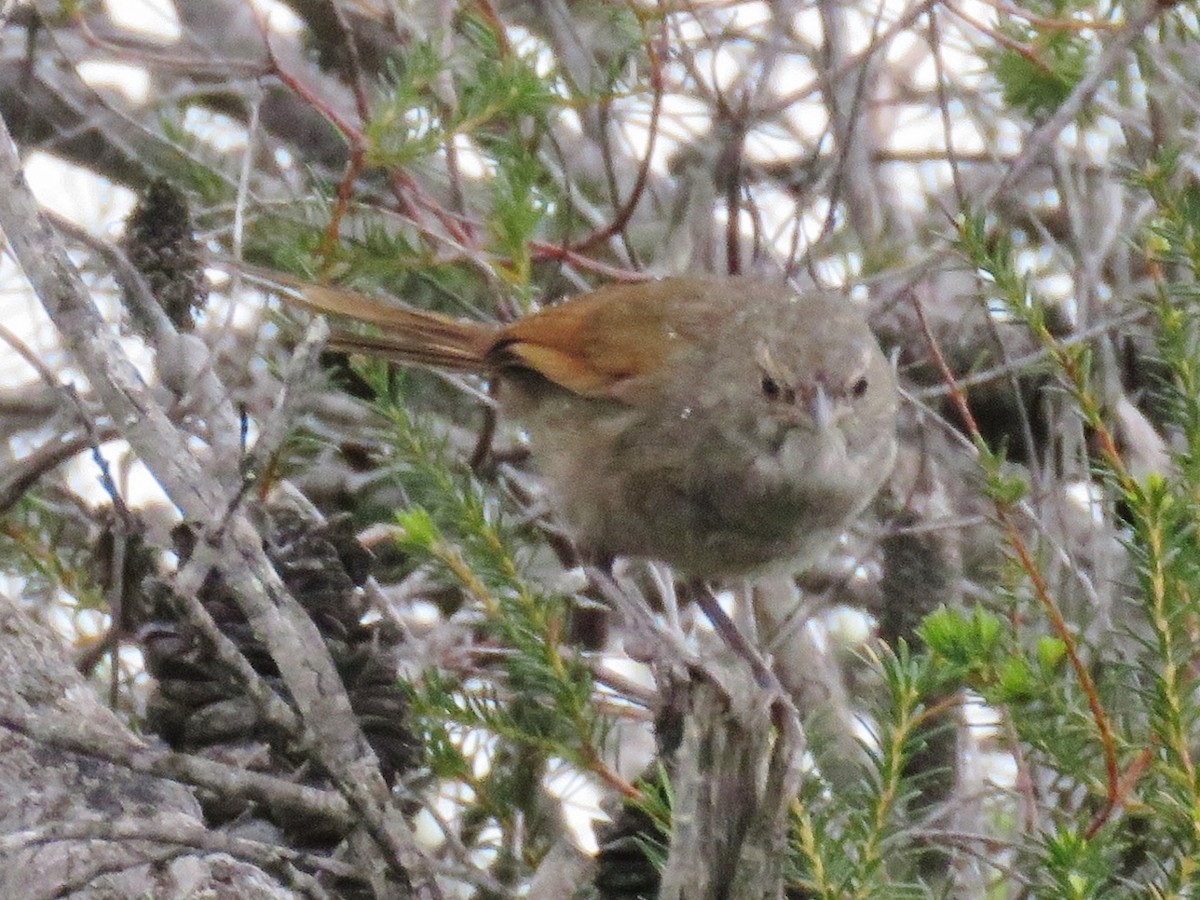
point(161, 243)
point(197, 706)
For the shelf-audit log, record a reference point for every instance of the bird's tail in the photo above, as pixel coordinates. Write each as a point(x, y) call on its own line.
point(411, 336)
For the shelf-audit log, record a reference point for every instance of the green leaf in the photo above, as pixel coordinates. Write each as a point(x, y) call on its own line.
point(1038, 86)
point(1015, 680)
point(418, 528)
point(963, 640)
point(1051, 652)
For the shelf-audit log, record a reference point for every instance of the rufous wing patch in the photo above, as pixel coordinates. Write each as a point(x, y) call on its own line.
point(565, 369)
point(596, 344)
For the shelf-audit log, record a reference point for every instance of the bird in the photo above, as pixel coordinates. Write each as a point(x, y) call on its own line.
point(725, 425)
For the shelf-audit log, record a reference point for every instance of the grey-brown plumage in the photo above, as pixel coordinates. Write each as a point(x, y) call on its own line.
point(722, 425)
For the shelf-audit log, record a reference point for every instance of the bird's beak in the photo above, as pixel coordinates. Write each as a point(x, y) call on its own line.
point(820, 408)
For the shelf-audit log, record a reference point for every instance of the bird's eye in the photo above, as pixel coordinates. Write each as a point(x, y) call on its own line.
point(859, 388)
point(770, 388)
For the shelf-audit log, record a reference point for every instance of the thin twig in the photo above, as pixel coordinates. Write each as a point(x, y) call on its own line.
point(1041, 589)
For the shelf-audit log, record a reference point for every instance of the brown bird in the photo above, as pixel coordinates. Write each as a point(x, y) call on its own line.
point(722, 425)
